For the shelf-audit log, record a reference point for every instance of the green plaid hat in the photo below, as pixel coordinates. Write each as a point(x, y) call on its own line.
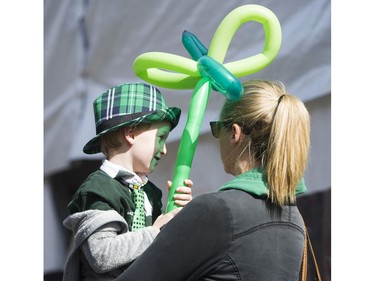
point(128, 105)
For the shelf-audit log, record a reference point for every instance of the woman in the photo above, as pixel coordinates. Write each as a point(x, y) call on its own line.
point(251, 228)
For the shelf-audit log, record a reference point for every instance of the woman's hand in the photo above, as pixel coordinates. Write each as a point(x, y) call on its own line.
point(183, 193)
point(165, 218)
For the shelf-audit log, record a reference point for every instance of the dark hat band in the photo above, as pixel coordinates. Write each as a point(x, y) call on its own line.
point(110, 123)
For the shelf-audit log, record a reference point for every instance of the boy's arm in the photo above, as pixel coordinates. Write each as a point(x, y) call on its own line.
point(106, 249)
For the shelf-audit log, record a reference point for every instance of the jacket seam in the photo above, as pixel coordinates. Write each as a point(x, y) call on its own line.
point(231, 223)
point(235, 268)
point(269, 224)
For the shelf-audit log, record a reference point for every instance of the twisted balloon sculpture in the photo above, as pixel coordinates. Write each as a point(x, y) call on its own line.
point(205, 71)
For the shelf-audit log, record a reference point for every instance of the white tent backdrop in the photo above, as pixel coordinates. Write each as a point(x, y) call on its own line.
point(90, 46)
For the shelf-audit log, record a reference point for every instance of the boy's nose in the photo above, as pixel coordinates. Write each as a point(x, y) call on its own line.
point(164, 150)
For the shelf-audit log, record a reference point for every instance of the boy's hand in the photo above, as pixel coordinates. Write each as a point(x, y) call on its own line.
point(183, 193)
point(181, 198)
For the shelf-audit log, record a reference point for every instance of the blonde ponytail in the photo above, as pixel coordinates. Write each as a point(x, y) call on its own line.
point(288, 149)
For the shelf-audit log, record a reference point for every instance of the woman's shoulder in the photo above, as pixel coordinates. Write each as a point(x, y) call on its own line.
point(213, 203)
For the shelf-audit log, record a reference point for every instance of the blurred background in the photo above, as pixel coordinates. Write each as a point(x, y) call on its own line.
point(90, 46)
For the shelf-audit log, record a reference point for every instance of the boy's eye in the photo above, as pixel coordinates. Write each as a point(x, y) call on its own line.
point(161, 137)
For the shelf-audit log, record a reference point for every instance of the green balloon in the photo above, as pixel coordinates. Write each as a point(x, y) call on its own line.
point(222, 80)
point(189, 138)
point(194, 47)
point(176, 72)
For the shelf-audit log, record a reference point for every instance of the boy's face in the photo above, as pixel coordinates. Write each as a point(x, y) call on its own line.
point(149, 147)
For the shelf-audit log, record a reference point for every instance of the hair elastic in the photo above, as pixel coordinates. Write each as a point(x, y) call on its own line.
point(280, 98)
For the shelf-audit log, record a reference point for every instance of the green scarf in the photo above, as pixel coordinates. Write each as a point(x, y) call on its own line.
point(253, 182)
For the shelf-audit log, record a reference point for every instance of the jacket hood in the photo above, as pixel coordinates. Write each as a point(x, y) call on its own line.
point(89, 221)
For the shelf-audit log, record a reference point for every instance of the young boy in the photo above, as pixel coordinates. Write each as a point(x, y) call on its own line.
point(116, 213)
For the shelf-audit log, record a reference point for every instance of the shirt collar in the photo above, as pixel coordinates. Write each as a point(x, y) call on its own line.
point(130, 178)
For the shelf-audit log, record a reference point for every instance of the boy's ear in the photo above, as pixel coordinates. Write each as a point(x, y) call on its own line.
point(129, 134)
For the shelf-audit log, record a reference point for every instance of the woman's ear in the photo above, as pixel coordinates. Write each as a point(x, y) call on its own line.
point(237, 134)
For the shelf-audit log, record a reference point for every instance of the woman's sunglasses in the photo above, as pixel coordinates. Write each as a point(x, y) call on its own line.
point(216, 126)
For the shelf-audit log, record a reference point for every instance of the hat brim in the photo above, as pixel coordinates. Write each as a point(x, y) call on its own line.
point(171, 115)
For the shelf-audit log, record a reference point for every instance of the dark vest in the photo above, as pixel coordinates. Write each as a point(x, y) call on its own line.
point(101, 192)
